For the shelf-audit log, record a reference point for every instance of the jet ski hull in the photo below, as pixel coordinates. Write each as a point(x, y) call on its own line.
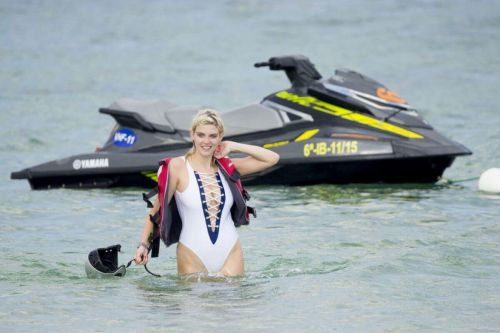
point(318, 170)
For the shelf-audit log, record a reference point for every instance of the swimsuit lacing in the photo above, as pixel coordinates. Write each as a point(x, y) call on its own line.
point(212, 199)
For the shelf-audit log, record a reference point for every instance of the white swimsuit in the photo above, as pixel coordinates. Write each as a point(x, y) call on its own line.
point(205, 210)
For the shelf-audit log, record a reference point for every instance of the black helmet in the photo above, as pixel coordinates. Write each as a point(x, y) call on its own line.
point(103, 263)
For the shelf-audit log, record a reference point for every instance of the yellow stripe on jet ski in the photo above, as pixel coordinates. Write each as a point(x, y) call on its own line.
point(151, 175)
point(307, 135)
point(346, 114)
point(304, 136)
point(276, 144)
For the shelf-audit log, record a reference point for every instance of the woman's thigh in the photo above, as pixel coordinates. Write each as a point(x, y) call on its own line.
point(234, 264)
point(187, 261)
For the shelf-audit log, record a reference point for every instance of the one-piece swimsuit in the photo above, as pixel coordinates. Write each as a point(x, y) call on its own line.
point(205, 210)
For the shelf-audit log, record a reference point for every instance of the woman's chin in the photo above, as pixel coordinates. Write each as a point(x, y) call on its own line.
point(206, 153)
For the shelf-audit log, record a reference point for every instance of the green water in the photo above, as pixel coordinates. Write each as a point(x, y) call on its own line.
point(355, 258)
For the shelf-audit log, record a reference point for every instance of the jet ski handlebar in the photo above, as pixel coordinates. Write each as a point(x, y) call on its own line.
point(299, 70)
point(261, 64)
point(278, 63)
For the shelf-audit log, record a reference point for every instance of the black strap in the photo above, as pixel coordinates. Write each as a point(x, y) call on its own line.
point(154, 239)
point(149, 195)
point(147, 270)
point(155, 219)
point(145, 267)
point(252, 210)
point(154, 245)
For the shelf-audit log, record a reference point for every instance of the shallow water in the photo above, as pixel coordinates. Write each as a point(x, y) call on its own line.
point(377, 258)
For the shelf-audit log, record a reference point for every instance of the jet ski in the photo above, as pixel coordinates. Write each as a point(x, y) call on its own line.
point(347, 128)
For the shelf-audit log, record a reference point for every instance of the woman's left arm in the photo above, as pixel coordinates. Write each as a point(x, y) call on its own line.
point(258, 158)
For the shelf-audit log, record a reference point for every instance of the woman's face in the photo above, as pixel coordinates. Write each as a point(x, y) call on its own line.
point(205, 139)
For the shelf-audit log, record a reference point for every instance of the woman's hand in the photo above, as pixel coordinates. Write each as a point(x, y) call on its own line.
point(223, 149)
point(141, 255)
point(258, 158)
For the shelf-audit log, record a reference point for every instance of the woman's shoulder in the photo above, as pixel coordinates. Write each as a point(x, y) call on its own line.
point(177, 163)
point(174, 163)
point(178, 160)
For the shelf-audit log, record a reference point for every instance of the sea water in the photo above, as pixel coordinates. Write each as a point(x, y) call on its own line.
point(353, 258)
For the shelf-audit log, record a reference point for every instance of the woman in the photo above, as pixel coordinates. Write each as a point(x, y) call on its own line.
point(208, 241)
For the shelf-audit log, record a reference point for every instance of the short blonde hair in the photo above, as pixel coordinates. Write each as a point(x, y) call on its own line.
point(208, 117)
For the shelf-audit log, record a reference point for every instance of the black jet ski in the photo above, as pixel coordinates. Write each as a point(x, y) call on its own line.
point(347, 128)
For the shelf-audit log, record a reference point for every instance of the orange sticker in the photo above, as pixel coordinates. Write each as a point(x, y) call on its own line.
point(389, 95)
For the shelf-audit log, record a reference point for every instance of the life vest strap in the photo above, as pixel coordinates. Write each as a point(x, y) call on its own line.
point(147, 196)
point(154, 239)
point(252, 210)
point(154, 246)
point(155, 218)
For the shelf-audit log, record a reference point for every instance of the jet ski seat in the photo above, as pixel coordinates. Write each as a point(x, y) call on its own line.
point(250, 118)
point(148, 115)
point(167, 117)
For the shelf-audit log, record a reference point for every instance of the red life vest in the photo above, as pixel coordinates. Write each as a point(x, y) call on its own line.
point(167, 221)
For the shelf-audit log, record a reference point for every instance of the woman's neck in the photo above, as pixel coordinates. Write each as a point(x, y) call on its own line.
point(202, 163)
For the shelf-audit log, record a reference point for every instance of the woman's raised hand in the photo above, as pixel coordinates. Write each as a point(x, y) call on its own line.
point(223, 149)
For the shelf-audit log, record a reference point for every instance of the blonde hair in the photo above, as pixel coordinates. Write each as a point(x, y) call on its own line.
point(206, 117)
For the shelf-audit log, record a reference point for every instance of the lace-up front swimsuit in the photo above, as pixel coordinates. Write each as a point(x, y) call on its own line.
point(205, 210)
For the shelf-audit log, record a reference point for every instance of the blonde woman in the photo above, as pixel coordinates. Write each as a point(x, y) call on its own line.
point(208, 241)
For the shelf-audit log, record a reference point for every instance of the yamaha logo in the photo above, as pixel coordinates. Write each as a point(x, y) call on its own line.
point(92, 163)
point(77, 164)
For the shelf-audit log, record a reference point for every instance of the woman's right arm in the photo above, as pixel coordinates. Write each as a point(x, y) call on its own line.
point(141, 254)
